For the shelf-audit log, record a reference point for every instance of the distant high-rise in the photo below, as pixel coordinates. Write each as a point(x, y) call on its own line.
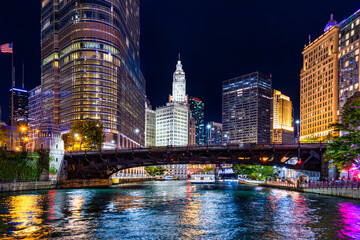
point(192, 131)
point(21, 101)
point(246, 109)
point(150, 125)
point(349, 57)
point(283, 123)
point(90, 67)
point(319, 85)
point(197, 111)
point(214, 133)
point(172, 120)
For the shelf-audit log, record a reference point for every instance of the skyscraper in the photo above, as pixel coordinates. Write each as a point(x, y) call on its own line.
point(21, 101)
point(349, 57)
point(150, 125)
point(35, 107)
point(246, 108)
point(283, 123)
point(197, 111)
point(91, 67)
point(192, 131)
point(319, 85)
point(172, 120)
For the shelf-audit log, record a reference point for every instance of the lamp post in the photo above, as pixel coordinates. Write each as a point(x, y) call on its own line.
point(227, 138)
point(298, 130)
point(209, 129)
point(23, 137)
point(137, 131)
point(78, 137)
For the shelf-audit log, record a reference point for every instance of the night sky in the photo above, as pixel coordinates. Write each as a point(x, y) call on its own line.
point(217, 40)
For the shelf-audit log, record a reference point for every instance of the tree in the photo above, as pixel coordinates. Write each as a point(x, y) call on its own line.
point(3, 138)
point(153, 171)
point(90, 134)
point(208, 169)
point(254, 171)
point(344, 151)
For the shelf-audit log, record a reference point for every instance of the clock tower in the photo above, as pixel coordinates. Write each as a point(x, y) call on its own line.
point(179, 84)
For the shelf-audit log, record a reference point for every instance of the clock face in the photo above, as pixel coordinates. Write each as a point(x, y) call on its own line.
point(180, 87)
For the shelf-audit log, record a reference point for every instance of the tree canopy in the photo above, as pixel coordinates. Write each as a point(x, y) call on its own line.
point(344, 150)
point(90, 134)
point(254, 171)
point(153, 171)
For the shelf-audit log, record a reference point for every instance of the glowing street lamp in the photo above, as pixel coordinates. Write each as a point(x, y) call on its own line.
point(137, 132)
point(208, 127)
point(298, 130)
point(78, 137)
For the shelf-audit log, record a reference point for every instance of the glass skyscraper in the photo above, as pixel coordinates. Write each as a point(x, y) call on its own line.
point(21, 101)
point(197, 111)
point(91, 67)
point(349, 57)
point(246, 109)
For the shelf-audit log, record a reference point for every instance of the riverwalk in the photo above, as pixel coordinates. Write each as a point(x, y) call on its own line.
point(340, 189)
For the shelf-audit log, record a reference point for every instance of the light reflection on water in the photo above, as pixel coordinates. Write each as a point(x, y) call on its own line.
point(177, 210)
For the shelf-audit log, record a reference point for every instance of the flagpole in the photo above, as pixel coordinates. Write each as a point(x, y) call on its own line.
point(12, 97)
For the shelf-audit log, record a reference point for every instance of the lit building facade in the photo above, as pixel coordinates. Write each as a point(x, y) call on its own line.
point(34, 115)
point(35, 107)
point(90, 67)
point(283, 122)
point(197, 111)
point(246, 108)
point(214, 133)
point(176, 170)
point(150, 125)
point(21, 102)
point(349, 58)
point(319, 85)
point(172, 120)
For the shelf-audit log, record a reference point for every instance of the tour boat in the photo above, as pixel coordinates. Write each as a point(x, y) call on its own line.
point(169, 177)
point(249, 182)
point(202, 178)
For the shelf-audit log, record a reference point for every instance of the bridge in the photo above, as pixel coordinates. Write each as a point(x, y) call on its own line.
point(102, 164)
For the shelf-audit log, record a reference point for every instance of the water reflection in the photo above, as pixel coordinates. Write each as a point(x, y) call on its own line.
point(24, 217)
point(350, 221)
point(177, 210)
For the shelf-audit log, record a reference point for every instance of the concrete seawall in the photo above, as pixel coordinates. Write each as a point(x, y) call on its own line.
point(46, 185)
point(339, 192)
point(25, 186)
point(335, 191)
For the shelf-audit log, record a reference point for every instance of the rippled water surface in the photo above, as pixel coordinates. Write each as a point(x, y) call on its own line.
point(177, 210)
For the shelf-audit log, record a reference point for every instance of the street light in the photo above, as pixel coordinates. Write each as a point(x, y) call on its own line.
point(137, 131)
point(78, 137)
point(208, 127)
point(227, 138)
point(298, 130)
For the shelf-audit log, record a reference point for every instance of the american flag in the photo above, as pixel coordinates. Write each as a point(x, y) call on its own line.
point(7, 48)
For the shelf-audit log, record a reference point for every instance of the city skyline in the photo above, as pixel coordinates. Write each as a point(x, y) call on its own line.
point(193, 42)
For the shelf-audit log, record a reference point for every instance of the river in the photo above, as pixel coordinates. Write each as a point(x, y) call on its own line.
point(177, 210)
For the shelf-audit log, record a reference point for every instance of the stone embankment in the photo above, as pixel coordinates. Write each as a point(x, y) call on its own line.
point(338, 191)
point(69, 184)
point(26, 186)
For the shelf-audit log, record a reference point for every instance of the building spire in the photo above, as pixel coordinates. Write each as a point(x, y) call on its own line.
point(179, 58)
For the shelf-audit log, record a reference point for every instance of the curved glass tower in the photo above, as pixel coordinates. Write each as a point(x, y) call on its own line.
point(91, 66)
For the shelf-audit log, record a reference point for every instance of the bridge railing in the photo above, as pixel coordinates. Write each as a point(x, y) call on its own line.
point(214, 147)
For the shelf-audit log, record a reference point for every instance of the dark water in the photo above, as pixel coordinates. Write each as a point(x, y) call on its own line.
point(177, 210)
